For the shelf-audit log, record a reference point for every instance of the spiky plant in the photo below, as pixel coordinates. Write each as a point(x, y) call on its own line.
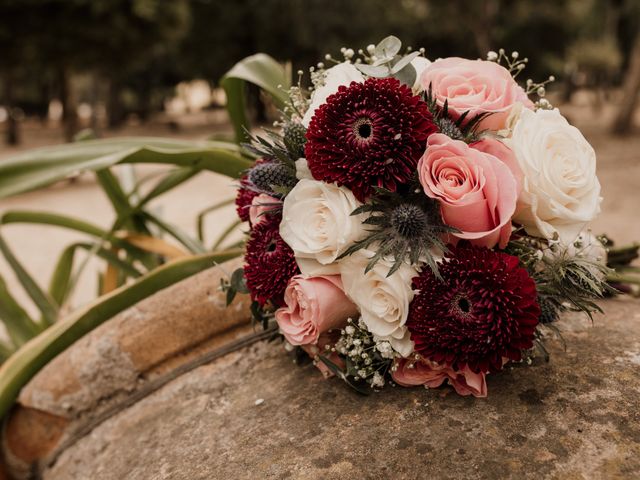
point(285, 147)
point(402, 226)
point(457, 129)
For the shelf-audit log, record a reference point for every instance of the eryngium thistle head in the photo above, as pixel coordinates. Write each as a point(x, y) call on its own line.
point(294, 138)
point(449, 128)
point(267, 177)
point(548, 311)
point(405, 227)
point(408, 220)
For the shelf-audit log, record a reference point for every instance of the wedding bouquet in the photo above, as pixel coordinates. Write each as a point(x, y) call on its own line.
point(419, 222)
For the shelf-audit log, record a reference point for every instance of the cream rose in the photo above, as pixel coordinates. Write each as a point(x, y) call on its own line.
point(341, 74)
point(318, 226)
point(561, 192)
point(383, 301)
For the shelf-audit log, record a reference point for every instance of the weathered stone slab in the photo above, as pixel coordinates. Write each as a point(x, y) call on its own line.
point(577, 417)
point(157, 335)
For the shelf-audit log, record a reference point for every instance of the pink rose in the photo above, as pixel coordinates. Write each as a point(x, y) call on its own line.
point(501, 151)
point(260, 205)
point(476, 86)
point(476, 190)
point(314, 305)
point(410, 373)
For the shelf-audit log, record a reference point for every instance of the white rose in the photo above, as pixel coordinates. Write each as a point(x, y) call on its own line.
point(383, 301)
point(336, 76)
point(318, 226)
point(302, 169)
point(561, 192)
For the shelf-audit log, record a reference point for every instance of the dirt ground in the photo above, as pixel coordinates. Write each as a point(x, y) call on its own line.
point(38, 247)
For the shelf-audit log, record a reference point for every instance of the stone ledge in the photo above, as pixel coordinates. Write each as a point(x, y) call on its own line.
point(157, 335)
point(575, 417)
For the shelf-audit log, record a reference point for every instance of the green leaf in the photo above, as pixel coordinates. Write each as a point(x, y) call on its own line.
point(64, 221)
point(60, 283)
point(126, 214)
point(20, 327)
point(191, 244)
point(174, 178)
point(43, 166)
point(228, 231)
point(261, 70)
point(43, 301)
point(36, 353)
point(206, 211)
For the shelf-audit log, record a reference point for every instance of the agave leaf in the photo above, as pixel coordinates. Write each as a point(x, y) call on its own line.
point(43, 166)
point(174, 178)
point(261, 70)
point(154, 245)
point(36, 353)
point(191, 244)
point(42, 300)
point(205, 212)
point(60, 282)
point(228, 231)
point(20, 327)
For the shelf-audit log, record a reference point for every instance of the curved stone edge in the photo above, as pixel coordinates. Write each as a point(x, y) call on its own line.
point(153, 337)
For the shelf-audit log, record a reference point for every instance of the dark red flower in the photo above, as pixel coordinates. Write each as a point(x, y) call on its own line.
point(244, 196)
point(483, 310)
point(269, 263)
point(368, 134)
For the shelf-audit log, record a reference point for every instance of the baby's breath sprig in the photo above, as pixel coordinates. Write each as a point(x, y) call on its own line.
point(368, 359)
point(512, 62)
point(515, 65)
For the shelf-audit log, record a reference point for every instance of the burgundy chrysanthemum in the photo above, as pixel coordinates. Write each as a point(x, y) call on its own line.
point(244, 197)
point(483, 310)
point(269, 263)
point(368, 134)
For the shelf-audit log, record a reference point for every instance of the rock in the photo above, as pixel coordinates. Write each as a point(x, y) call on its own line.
point(118, 359)
point(576, 417)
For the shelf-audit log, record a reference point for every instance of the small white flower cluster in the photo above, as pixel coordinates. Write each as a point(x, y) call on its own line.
point(515, 65)
point(513, 62)
point(368, 359)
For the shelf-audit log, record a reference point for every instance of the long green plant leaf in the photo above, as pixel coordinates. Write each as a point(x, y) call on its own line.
point(42, 300)
point(207, 211)
point(193, 245)
point(20, 327)
point(60, 282)
point(43, 166)
point(261, 70)
point(32, 356)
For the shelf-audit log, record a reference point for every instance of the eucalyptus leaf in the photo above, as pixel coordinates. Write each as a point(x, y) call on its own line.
point(373, 71)
point(388, 47)
point(407, 76)
point(403, 62)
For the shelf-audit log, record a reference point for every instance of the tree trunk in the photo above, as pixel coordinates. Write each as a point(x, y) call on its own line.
point(13, 129)
point(67, 99)
point(115, 110)
point(624, 118)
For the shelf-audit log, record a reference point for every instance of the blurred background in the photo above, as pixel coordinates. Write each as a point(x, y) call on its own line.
point(78, 69)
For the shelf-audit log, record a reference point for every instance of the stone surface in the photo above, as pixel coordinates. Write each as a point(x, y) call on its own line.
point(576, 417)
point(117, 359)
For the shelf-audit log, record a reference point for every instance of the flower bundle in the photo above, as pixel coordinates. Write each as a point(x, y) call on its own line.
point(419, 222)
